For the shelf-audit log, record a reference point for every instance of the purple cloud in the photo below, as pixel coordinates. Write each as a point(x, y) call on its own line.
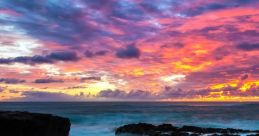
point(119, 94)
point(11, 80)
point(47, 96)
point(48, 80)
point(248, 46)
point(51, 58)
point(90, 54)
point(128, 52)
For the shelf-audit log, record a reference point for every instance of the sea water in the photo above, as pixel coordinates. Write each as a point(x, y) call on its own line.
point(102, 118)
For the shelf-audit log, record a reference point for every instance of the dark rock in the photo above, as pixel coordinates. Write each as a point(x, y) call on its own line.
point(166, 128)
point(141, 128)
point(170, 130)
point(254, 135)
point(194, 134)
point(180, 134)
point(193, 129)
point(14, 123)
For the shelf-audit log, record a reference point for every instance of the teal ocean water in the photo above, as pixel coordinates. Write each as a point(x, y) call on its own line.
point(101, 118)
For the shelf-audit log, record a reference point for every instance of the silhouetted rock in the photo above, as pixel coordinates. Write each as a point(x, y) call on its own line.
point(143, 129)
point(166, 127)
point(14, 123)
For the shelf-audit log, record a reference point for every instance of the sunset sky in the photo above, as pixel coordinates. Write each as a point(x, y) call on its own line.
point(161, 50)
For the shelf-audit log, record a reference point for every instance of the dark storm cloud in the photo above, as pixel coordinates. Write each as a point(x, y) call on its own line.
point(157, 8)
point(128, 52)
point(216, 5)
point(51, 58)
point(58, 21)
point(63, 56)
point(101, 53)
point(178, 93)
point(221, 53)
point(90, 78)
point(90, 54)
point(73, 23)
point(204, 8)
point(219, 74)
point(128, 10)
point(250, 33)
point(120, 94)
point(27, 60)
point(244, 77)
point(248, 46)
point(48, 80)
point(177, 45)
point(168, 92)
point(47, 96)
point(253, 90)
point(234, 33)
point(241, 2)
point(112, 94)
point(11, 80)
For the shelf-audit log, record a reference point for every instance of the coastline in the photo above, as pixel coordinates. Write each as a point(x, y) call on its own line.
point(22, 123)
point(101, 119)
point(145, 129)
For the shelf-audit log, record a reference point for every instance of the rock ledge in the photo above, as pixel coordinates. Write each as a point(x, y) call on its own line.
point(15, 123)
point(144, 129)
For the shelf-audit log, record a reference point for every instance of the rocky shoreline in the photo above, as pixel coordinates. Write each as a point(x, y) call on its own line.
point(15, 123)
point(144, 129)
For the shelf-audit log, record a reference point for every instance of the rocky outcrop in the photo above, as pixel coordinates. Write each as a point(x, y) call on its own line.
point(143, 129)
point(32, 124)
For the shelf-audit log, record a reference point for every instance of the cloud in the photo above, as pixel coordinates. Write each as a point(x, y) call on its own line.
point(248, 46)
point(90, 78)
point(128, 52)
point(204, 8)
point(63, 56)
point(50, 58)
point(90, 54)
point(48, 80)
point(170, 36)
point(231, 91)
point(26, 60)
point(221, 52)
point(178, 93)
point(47, 96)
point(11, 80)
point(194, 9)
point(101, 53)
point(2, 89)
point(14, 91)
point(244, 77)
point(58, 21)
point(76, 87)
point(142, 95)
point(120, 94)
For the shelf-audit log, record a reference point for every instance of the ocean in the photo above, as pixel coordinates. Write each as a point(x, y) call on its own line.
point(102, 118)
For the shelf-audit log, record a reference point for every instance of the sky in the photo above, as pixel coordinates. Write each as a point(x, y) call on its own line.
point(129, 50)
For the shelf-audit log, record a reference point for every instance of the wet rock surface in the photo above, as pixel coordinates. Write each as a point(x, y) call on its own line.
point(144, 129)
point(14, 123)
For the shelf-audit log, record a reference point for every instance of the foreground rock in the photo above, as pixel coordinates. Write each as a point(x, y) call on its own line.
point(32, 124)
point(143, 129)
